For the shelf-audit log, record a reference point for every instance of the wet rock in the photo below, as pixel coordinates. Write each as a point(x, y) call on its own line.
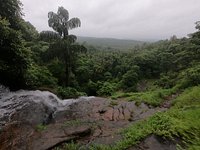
point(89, 119)
point(23, 111)
point(155, 143)
point(108, 115)
point(27, 108)
point(21, 136)
point(57, 134)
point(15, 136)
point(36, 107)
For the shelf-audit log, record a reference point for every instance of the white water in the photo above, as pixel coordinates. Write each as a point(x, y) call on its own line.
point(10, 102)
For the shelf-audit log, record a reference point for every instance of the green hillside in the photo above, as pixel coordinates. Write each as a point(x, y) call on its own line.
point(109, 43)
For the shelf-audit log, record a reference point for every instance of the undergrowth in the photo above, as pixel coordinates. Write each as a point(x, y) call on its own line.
point(180, 122)
point(153, 98)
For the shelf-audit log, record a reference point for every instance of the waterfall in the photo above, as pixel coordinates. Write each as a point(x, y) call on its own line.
point(31, 106)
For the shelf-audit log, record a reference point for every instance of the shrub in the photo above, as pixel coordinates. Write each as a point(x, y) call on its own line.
point(41, 127)
point(181, 121)
point(91, 88)
point(190, 77)
point(107, 89)
point(130, 79)
point(68, 92)
point(167, 80)
point(39, 76)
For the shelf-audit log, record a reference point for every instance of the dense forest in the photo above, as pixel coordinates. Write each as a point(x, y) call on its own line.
point(109, 43)
point(35, 60)
point(147, 72)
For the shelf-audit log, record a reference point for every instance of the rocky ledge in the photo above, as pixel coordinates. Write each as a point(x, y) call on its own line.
point(36, 120)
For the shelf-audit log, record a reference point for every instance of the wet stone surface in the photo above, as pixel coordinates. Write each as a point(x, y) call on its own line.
point(155, 143)
point(35, 120)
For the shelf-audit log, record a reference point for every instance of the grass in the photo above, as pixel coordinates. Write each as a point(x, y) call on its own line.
point(113, 103)
point(184, 125)
point(190, 98)
point(79, 122)
point(153, 98)
point(73, 123)
point(182, 121)
point(41, 127)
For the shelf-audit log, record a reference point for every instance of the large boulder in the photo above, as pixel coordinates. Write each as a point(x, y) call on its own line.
point(35, 120)
point(39, 120)
point(34, 107)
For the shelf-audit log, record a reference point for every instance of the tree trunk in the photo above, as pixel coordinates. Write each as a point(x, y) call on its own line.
point(68, 72)
point(67, 68)
point(65, 34)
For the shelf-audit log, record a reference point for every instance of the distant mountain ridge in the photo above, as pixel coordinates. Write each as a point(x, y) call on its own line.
point(109, 43)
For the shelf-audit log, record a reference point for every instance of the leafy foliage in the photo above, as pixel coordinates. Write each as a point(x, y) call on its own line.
point(181, 121)
point(130, 79)
point(11, 11)
point(14, 57)
point(153, 98)
point(54, 60)
point(60, 22)
point(38, 76)
point(190, 77)
point(64, 46)
point(29, 32)
point(107, 89)
point(68, 92)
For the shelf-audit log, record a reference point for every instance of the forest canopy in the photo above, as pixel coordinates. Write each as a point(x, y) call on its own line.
point(56, 61)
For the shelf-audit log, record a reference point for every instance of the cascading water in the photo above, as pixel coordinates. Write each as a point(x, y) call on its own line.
point(39, 120)
point(34, 107)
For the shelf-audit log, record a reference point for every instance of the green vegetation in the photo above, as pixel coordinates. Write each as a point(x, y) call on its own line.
point(113, 103)
point(12, 46)
point(154, 98)
point(69, 92)
point(56, 61)
point(64, 48)
point(107, 89)
point(41, 127)
point(181, 121)
point(73, 123)
point(108, 43)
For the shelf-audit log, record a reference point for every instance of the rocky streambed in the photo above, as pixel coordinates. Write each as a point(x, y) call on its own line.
point(39, 120)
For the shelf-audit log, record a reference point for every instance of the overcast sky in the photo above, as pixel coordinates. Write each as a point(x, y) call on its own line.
point(128, 19)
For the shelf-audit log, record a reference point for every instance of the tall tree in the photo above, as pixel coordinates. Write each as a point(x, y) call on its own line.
point(11, 11)
point(61, 23)
point(65, 47)
point(14, 57)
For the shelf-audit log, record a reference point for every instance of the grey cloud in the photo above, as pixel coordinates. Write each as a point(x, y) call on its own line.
point(130, 19)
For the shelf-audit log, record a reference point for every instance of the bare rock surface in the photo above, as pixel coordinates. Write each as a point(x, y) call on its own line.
point(155, 143)
point(36, 120)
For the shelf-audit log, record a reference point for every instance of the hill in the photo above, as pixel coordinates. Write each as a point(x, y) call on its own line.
point(109, 43)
